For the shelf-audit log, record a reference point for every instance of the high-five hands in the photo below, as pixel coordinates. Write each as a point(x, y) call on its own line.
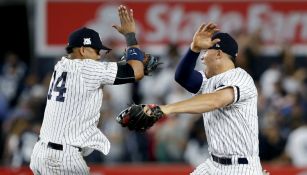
point(127, 24)
point(202, 37)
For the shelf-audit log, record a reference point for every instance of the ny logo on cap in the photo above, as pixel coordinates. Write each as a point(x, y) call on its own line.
point(87, 41)
point(217, 45)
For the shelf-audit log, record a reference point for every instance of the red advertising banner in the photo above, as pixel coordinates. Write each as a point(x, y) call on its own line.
point(162, 22)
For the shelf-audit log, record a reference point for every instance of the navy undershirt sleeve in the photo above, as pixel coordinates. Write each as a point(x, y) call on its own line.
point(185, 74)
point(125, 74)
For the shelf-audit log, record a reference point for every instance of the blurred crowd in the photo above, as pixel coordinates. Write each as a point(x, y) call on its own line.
point(281, 80)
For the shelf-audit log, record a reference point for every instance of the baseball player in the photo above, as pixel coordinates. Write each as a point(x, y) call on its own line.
point(227, 97)
point(69, 130)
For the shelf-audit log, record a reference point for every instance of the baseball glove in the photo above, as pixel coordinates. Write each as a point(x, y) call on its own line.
point(136, 119)
point(150, 62)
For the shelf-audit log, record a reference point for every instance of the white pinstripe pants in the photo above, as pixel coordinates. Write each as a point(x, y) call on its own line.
point(45, 161)
point(209, 167)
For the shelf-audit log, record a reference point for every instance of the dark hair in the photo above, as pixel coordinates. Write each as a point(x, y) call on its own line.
point(69, 49)
point(232, 59)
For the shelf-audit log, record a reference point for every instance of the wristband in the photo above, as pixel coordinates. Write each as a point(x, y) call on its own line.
point(134, 53)
point(130, 39)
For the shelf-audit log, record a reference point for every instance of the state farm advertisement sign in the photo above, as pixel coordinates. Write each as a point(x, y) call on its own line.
point(162, 22)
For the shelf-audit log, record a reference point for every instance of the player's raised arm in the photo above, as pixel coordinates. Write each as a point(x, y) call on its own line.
point(134, 55)
point(185, 74)
point(127, 27)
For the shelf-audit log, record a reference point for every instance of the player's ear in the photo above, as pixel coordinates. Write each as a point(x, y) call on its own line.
point(82, 51)
point(219, 54)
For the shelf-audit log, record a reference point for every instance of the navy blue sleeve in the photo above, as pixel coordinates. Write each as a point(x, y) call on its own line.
point(185, 74)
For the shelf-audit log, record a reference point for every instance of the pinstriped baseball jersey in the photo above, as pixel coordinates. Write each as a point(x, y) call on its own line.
point(232, 130)
point(73, 103)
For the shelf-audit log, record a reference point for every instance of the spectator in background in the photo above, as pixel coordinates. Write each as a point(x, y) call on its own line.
point(164, 76)
point(13, 64)
point(268, 81)
point(11, 156)
point(12, 73)
point(297, 144)
point(292, 76)
point(303, 92)
point(3, 108)
point(287, 58)
point(112, 56)
point(196, 150)
point(271, 142)
point(27, 140)
point(170, 141)
point(250, 54)
point(35, 90)
point(112, 130)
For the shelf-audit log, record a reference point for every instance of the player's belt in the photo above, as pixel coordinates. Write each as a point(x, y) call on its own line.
point(227, 161)
point(59, 146)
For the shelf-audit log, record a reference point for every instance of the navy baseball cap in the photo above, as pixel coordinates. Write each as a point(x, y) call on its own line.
point(86, 37)
point(227, 44)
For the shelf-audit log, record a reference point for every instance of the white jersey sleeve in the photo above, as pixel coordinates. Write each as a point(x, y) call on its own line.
point(202, 84)
point(95, 73)
point(242, 84)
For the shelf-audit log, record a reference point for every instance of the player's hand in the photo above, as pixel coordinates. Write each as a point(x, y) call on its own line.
point(148, 111)
point(202, 37)
point(126, 20)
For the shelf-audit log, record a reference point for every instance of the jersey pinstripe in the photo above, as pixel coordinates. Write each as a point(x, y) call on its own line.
point(233, 130)
point(74, 101)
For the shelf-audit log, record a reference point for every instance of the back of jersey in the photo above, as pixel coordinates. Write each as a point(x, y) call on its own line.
point(74, 101)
